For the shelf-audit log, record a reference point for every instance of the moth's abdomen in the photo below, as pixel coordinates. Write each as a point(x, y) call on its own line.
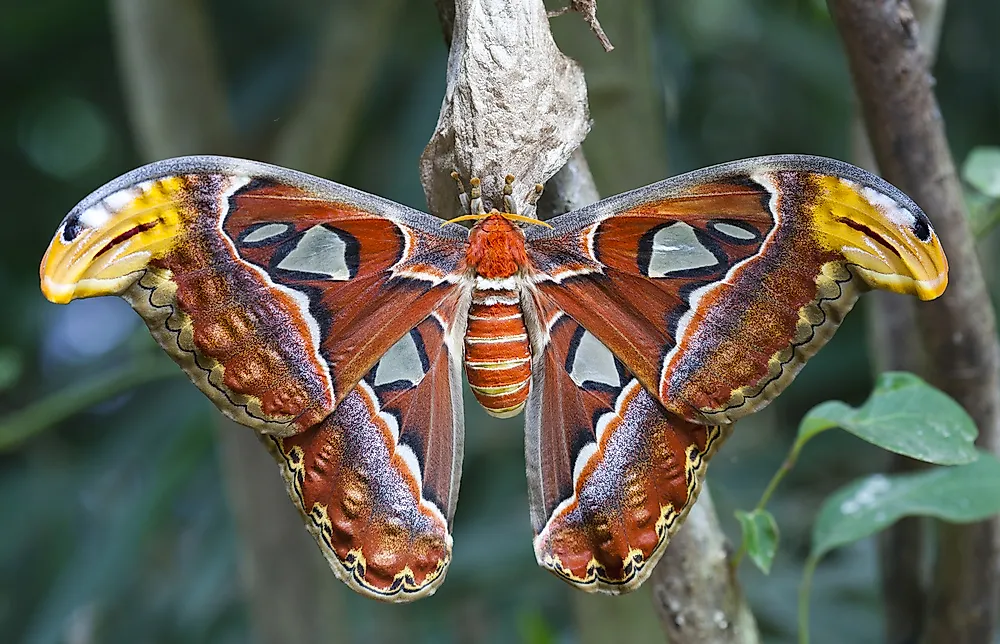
point(497, 353)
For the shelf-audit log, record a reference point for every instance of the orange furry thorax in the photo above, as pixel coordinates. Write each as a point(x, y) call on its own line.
point(496, 248)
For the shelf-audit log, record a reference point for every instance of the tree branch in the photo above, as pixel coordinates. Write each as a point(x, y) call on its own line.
point(317, 133)
point(173, 84)
point(895, 345)
point(959, 329)
point(587, 9)
point(695, 589)
point(569, 189)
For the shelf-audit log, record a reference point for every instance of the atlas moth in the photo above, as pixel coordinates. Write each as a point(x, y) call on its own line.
point(632, 333)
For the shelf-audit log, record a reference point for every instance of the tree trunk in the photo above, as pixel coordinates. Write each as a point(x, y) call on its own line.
point(959, 329)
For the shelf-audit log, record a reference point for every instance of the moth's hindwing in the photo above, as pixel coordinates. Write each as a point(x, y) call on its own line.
point(377, 480)
point(611, 473)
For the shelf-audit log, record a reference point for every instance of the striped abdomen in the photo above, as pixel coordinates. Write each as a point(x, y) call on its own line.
point(497, 353)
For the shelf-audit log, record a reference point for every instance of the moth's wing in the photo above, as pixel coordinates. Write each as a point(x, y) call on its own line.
point(715, 287)
point(611, 473)
point(274, 290)
point(377, 480)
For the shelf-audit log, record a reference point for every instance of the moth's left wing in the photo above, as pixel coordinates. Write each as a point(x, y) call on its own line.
point(377, 480)
point(715, 287)
point(611, 473)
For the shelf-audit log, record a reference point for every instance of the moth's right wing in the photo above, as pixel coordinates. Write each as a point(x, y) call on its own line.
point(715, 287)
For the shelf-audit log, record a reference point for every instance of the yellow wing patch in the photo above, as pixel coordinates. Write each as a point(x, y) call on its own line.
point(887, 245)
point(101, 250)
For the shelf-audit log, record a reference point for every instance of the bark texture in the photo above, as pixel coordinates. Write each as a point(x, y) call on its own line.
point(514, 104)
point(907, 133)
point(895, 345)
point(695, 589)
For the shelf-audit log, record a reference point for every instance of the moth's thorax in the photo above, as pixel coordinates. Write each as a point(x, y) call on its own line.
point(496, 248)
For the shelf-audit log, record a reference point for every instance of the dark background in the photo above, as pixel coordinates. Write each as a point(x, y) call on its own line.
point(113, 523)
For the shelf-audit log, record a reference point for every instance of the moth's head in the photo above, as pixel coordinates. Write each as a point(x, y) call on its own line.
point(105, 242)
point(495, 221)
point(886, 238)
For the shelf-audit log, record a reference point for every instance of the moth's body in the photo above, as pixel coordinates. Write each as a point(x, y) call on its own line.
point(497, 347)
point(633, 332)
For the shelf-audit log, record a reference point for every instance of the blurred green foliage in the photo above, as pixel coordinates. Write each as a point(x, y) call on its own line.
point(904, 415)
point(981, 172)
point(114, 522)
point(958, 494)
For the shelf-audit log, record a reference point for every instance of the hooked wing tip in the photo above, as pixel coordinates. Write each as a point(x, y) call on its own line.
point(105, 243)
point(885, 237)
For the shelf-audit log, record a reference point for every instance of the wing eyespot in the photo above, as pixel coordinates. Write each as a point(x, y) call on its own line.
point(72, 228)
point(922, 227)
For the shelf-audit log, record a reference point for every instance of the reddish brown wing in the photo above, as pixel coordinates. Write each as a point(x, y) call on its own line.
point(611, 474)
point(275, 291)
point(377, 480)
point(715, 287)
point(616, 283)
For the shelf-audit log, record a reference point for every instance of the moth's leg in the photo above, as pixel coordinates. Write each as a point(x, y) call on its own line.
point(476, 206)
point(508, 189)
point(462, 197)
point(531, 199)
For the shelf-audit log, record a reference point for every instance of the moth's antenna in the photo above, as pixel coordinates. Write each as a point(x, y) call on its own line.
point(532, 197)
point(462, 197)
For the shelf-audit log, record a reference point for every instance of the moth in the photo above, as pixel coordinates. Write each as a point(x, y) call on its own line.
point(633, 333)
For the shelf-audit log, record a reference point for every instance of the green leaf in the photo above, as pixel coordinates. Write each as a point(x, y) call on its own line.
point(904, 415)
point(959, 494)
point(984, 213)
point(981, 170)
point(760, 537)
